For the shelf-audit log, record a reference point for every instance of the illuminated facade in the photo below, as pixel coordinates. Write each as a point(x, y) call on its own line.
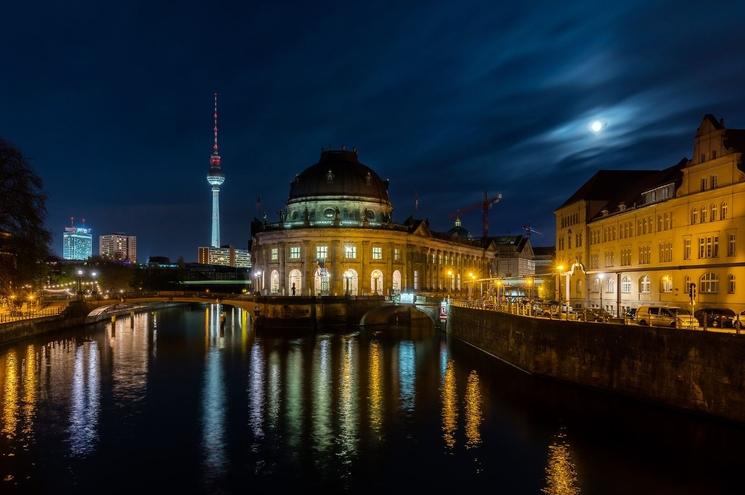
point(636, 237)
point(336, 237)
point(225, 255)
point(77, 243)
point(120, 247)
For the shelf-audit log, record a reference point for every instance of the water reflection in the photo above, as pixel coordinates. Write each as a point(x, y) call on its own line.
point(85, 399)
point(129, 355)
point(256, 392)
point(449, 406)
point(347, 399)
point(376, 388)
point(561, 474)
point(10, 391)
point(321, 382)
point(213, 405)
point(473, 411)
point(407, 374)
point(294, 399)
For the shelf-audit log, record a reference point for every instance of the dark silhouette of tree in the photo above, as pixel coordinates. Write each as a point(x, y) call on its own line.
point(24, 240)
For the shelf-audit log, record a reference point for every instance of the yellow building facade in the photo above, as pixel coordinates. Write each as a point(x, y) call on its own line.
point(627, 238)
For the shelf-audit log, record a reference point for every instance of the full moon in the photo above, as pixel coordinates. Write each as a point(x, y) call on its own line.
point(596, 126)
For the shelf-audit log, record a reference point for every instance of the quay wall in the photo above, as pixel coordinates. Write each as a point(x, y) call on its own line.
point(693, 370)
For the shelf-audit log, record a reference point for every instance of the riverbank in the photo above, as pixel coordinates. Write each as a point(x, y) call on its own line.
point(74, 315)
point(693, 370)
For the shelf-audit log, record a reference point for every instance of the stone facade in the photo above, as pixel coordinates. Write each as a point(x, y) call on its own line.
point(336, 237)
point(636, 237)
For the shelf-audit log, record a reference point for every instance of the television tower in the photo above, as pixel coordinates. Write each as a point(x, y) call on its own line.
point(215, 178)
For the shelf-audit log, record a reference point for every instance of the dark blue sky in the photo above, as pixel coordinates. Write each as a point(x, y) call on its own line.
point(111, 102)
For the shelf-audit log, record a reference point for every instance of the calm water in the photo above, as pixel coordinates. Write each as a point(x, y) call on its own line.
point(172, 402)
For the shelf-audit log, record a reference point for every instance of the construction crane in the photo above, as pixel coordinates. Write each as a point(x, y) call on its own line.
point(485, 206)
point(528, 229)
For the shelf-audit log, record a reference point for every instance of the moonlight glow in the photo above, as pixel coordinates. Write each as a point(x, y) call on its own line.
point(596, 126)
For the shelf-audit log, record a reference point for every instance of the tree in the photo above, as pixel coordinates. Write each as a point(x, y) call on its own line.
point(25, 241)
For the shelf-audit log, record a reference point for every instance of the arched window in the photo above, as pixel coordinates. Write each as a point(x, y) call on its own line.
point(709, 283)
point(713, 217)
point(396, 281)
point(703, 214)
point(274, 282)
point(610, 286)
point(296, 281)
point(321, 282)
point(666, 283)
point(376, 282)
point(626, 285)
point(645, 287)
point(723, 211)
point(351, 282)
point(596, 284)
point(731, 284)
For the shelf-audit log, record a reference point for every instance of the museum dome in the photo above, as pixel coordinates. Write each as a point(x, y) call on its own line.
point(339, 173)
point(459, 232)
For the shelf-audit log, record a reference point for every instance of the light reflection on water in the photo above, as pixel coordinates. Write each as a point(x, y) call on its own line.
point(344, 409)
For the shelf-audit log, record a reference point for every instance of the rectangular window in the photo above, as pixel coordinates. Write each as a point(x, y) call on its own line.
point(416, 280)
point(322, 252)
point(704, 182)
point(731, 284)
point(731, 245)
point(686, 249)
point(350, 252)
point(377, 253)
point(713, 181)
point(703, 214)
point(275, 254)
point(694, 216)
point(294, 252)
point(396, 254)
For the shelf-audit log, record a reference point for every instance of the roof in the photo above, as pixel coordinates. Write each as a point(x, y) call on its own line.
point(339, 173)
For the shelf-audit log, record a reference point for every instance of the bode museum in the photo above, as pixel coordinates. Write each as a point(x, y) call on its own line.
point(337, 236)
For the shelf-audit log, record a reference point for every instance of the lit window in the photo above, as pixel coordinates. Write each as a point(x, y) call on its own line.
point(322, 252)
point(694, 216)
point(723, 212)
point(686, 249)
point(666, 283)
point(731, 245)
point(713, 217)
point(626, 285)
point(294, 252)
point(709, 283)
point(416, 280)
point(396, 254)
point(377, 253)
point(350, 252)
point(645, 286)
point(275, 254)
point(731, 284)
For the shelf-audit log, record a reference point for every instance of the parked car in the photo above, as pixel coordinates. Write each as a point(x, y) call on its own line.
point(594, 314)
point(665, 316)
point(716, 317)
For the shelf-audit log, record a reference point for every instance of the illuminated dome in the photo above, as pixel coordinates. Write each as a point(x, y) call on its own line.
point(339, 173)
point(459, 232)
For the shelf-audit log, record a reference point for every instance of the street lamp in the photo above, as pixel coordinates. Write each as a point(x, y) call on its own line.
point(452, 281)
point(560, 272)
point(80, 274)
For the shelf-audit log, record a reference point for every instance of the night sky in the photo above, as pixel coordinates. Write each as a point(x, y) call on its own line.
point(111, 101)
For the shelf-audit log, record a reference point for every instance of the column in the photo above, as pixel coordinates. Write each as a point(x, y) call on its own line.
point(618, 294)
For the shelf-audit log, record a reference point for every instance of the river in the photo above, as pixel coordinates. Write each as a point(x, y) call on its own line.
point(190, 400)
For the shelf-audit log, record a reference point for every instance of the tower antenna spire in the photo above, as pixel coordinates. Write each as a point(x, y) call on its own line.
point(215, 158)
point(215, 178)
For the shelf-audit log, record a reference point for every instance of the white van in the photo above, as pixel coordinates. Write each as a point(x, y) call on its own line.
point(665, 316)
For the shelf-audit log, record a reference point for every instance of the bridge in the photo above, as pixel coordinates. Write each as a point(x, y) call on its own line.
point(301, 312)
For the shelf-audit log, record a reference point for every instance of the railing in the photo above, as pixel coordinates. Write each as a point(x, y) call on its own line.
point(10, 316)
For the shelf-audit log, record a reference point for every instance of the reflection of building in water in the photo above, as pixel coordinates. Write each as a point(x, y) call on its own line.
point(256, 392)
point(348, 398)
point(129, 354)
point(10, 394)
point(294, 419)
point(473, 411)
point(561, 474)
point(84, 409)
point(213, 412)
point(275, 389)
point(376, 388)
point(407, 374)
point(29, 389)
point(321, 383)
point(449, 406)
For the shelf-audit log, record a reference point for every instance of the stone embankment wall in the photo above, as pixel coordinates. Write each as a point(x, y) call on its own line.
point(694, 370)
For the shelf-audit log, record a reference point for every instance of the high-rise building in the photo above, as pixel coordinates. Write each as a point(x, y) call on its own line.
point(77, 243)
point(215, 178)
point(120, 247)
point(225, 255)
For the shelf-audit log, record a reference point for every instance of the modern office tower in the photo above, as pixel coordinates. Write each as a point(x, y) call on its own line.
point(77, 243)
point(119, 247)
point(215, 178)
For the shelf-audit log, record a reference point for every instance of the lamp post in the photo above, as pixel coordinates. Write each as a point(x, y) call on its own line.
point(601, 277)
point(80, 274)
point(559, 273)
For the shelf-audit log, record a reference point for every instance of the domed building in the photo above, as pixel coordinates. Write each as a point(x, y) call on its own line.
point(336, 236)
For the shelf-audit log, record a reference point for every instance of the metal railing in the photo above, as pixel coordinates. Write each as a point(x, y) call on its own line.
point(11, 316)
